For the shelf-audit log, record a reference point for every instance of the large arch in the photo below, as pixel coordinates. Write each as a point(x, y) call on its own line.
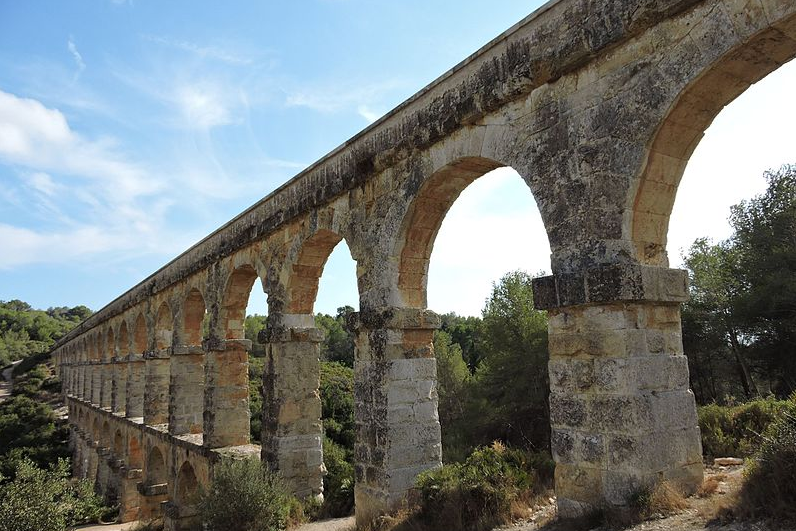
point(305, 272)
point(155, 472)
point(193, 314)
point(721, 80)
point(187, 486)
point(164, 326)
point(140, 343)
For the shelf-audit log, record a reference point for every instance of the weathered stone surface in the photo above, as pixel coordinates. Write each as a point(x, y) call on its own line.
point(598, 106)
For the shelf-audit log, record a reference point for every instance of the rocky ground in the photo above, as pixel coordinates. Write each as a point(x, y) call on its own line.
point(700, 515)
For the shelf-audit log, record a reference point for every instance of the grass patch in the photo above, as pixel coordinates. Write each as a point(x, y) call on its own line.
point(735, 431)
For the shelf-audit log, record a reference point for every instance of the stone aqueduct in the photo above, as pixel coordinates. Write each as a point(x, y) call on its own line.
point(598, 106)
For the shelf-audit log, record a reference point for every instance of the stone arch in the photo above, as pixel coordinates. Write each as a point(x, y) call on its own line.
point(95, 430)
point(305, 271)
point(766, 40)
point(187, 486)
point(123, 347)
point(140, 343)
point(423, 219)
point(155, 472)
point(236, 296)
point(105, 435)
point(164, 326)
point(110, 345)
point(193, 314)
point(118, 443)
point(134, 455)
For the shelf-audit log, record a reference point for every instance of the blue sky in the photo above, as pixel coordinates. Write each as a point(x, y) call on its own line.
point(129, 130)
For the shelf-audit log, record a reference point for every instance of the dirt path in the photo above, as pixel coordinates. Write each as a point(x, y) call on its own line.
point(335, 524)
point(699, 516)
point(7, 382)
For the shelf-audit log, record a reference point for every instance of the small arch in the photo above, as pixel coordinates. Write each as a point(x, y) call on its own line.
point(123, 347)
point(155, 473)
point(302, 288)
point(164, 326)
point(139, 334)
point(134, 455)
point(95, 430)
point(236, 297)
point(118, 443)
point(110, 345)
point(194, 311)
point(105, 435)
point(187, 486)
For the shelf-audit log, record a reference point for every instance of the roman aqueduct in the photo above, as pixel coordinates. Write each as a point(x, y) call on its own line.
point(598, 106)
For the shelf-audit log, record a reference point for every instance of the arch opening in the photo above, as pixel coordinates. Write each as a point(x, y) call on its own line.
point(139, 335)
point(194, 318)
point(164, 326)
point(187, 486)
point(236, 297)
point(156, 473)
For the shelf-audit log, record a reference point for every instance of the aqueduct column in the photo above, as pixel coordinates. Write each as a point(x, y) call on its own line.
point(136, 382)
point(186, 390)
point(292, 430)
point(118, 399)
point(395, 395)
point(156, 389)
point(226, 393)
point(106, 390)
point(621, 412)
point(96, 382)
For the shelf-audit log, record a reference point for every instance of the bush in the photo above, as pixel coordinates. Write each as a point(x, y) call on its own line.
point(244, 496)
point(28, 429)
point(735, 430)
point(46, 500)
point(338, 484)
point(483, 491)
point(770, 487)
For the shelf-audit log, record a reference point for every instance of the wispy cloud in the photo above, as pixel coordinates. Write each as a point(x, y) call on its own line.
point(368, 114)
point(81, 65)
point(334, 97)
point(215, 52)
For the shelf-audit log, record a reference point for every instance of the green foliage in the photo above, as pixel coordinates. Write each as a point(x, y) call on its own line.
point(252, 326)
point(28, 430)
point(256, 366)
point(770, 487)
point(479, 493)
point(735, 431)
point(244, 496)
point(465, 332)
point(453, 387)
point(338, 344)
point(337, 404)
point(338, 483)
point(25, 331)
point(40, 499)
point(739, 329)
point(511, 384)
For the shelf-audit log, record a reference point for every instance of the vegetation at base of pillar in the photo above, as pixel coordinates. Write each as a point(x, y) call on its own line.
point(25, 332)
point(338, 345)
point(245, 496)
point(739, 328)
point(46, 499)
point(488, 489)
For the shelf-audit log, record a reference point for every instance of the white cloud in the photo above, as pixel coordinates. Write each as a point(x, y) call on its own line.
point(43, 183)
point(368, 114)
point(204, 105)
point(81, 65)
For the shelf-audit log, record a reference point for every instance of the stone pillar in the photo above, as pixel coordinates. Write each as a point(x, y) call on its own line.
point(119, 389)
point(292, 431)
point(129, 497)
point(156, 388)
point(136, 382)
point(226, 396)
point(186, 390)
point(106, 392)
point(621, 412)
point(395, 400)
point(86, 368)
point(96, 382)
point(152, 500)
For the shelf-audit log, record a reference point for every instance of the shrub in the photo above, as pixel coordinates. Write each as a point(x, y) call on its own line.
point(770, 486)
point(28, 428)
point(46, 500)
point(735, 430)
point(483, 491)
point(338, 484)
point(244, 496)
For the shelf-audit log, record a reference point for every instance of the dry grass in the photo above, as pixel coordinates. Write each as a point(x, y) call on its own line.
point(708, 487)
point(665, 499)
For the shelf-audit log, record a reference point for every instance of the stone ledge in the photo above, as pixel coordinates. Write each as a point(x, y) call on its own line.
point(614, 283)
point(213, 344)
point(187, 350)
point(395, 318)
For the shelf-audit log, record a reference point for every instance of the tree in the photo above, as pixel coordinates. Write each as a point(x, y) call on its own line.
point(453, 381)
point(511, 391)
point(338, 345)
